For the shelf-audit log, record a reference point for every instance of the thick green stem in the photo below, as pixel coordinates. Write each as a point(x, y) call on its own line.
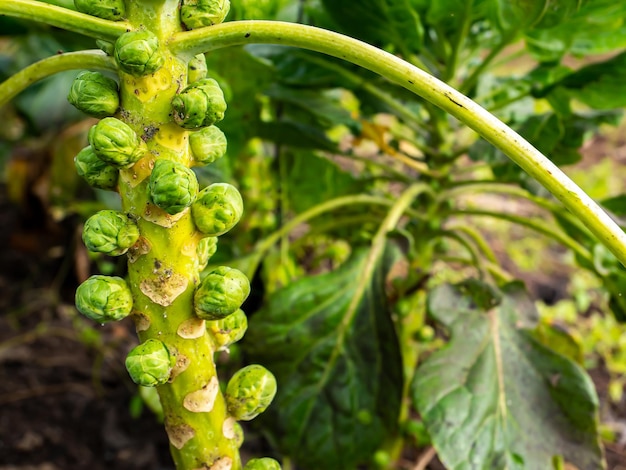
point(426, 86)
point(63, 18)
point(95, 59)
point(163, 269)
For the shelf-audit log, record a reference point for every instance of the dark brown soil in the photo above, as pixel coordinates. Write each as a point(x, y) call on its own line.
point(64, 395)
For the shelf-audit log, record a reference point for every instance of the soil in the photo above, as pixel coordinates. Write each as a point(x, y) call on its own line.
point(64, 396)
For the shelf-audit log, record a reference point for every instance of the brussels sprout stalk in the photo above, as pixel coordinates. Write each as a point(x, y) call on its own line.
point(142, 149)
point(163, 279)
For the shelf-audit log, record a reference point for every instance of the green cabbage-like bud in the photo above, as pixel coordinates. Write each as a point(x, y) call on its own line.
point(116, 143)
point(96, 172)
point(217, 209)
point(110, 232)
point(207, 145)
point(249, 392)
point(221, 293)
point(113, 10)
point(94, 94)
point(150, 364)
point(239, 436)
point(198, 13)
point(137, 53)
point(262, 464)
point(201, 104)
point(228, 330)
point(205, 250)
point(172, 186)
point(197, 69)
point(104, 298)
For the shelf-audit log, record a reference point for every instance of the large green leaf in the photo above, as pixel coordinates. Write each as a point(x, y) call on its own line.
point(312, 179)
point(384, 23)
point(495, 397)
point(597, 27)
point(601, 85)
point(330, 341)
point(518, 14)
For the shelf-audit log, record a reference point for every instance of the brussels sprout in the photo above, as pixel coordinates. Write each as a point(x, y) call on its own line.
point(116, 143)
point(110, 232)
point(104, 298)
point(113, 10)
point(96, 172)
point(228, 330)
point(217, 209)
point(201, 104)
point(207, 145)
point(205, 250)
point(94, 94)
point(262, 464)
point(137, 53)
point(150, 363)
point(197, 68)
point(249, 392)
point(198, 13)
point(221, 293)
point(172, 186)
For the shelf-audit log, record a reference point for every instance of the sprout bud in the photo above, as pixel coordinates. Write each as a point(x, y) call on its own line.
point(198, 13)
point(104, 298)
point(262, 464)
point(116, 143)
point(137, 53)
point(94, 94)
point(110, 232)
point(228, 330)
point(249, 392)
point(221, 293)
point(96, 172)
point(197, 68)
point(173, 186)
point(207, 145)
point(150, 364)
point(113, 10)
point(217, 209)
point(205, 250)
point(201, 104)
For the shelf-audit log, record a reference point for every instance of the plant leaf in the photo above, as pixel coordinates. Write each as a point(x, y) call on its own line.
point(312, 179)
point(332, 346)
point(495, 397)
point(597, 27)
point(380, 22)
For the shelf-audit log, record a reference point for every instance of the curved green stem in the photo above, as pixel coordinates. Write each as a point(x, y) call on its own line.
point(490, 186)
point(44, 68)
point(426, 86)
point(252, 262)
point(537, 226)
point(459, 41)
point(469, 83)
point(478, 240)
point(63, 18)
point(477, 261)
point(496, 271)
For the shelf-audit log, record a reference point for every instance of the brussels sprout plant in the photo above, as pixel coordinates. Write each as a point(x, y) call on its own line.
point(161, 106)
